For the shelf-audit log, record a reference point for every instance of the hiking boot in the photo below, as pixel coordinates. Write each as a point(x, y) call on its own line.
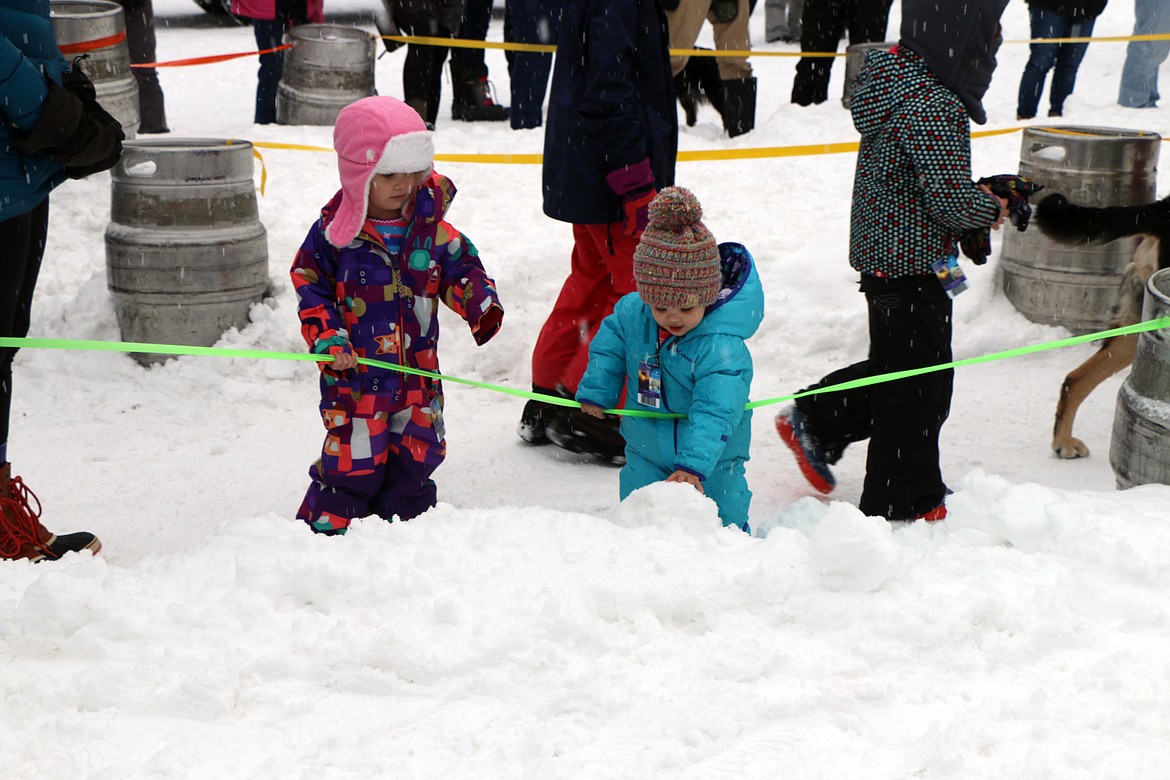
point(809, 455)
point(472, 99)
point(575, 431)
point(536, 416)
point(21, 532)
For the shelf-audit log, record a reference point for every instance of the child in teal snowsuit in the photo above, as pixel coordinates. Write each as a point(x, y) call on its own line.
point(678, 344)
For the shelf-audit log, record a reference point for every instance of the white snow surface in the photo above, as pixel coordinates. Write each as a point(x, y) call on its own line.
point(530, 626)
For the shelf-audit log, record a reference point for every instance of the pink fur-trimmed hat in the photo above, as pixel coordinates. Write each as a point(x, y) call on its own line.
point(374, 135)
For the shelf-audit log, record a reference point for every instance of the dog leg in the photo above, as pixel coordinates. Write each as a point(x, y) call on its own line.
point(1115, 354)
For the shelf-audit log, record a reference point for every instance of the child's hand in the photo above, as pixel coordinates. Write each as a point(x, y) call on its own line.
point(343, 360)
point(593, 411)
point(687, 477)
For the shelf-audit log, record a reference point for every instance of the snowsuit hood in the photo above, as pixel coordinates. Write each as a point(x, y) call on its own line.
point(958, 39)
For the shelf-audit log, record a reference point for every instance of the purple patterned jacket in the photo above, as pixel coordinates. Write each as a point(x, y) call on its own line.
point(359, 299)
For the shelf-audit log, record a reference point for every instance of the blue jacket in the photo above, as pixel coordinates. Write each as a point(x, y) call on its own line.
point(28, 54)
point(610, 105)
point(706, 373)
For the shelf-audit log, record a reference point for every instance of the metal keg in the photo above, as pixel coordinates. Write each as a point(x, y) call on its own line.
point(1140, 449)
point(855, 60)
point(98, 28)
point(1075, 286)
point(186, 255)
point(328, 67)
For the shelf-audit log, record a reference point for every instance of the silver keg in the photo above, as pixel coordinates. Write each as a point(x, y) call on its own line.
point(1075, 285)
point(186, 255)
point(854, 61)
point(1140, 449)
point(98, 28)
point(328, 67)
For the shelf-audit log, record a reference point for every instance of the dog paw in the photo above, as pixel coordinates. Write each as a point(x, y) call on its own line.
point(1070, 448)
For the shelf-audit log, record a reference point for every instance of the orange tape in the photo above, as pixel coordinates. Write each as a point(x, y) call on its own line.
point(97, 43)
point(209, 59)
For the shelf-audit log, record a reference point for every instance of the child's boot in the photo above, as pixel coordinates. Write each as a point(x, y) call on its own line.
point(575, 431)
point(810, 458)
point(21, 532)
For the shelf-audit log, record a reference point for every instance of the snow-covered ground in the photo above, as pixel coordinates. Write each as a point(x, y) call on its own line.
point(529, 626)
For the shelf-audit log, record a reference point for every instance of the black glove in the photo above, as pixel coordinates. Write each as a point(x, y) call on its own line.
point(725, 11)
point(976, 244)
point(74, 129)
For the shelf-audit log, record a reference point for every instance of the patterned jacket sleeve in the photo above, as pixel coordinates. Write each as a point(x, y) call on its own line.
point(468, 291)
point(314, 272)
point(939, 146)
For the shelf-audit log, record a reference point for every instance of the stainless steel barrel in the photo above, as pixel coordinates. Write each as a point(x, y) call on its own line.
point(1140, 450)
point(1074, 286)
point(328, 67)
point(186, 255)
point(854, 60)
point(98, 28)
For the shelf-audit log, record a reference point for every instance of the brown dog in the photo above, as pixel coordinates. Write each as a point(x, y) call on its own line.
point(1064, 222)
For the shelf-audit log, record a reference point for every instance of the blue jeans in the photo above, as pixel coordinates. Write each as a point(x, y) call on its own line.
point(269, 35)
point(530, 21)
point(1066, 57)
point(1139, 77)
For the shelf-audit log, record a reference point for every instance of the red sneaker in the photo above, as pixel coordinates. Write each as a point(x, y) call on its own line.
point(934, 515)
point(808, 457)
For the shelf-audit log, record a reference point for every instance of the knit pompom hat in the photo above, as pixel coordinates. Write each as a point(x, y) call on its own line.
point(676, 263)
point(378, 134)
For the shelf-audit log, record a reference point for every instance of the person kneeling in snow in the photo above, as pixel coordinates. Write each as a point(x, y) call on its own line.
point(369, 277)
point(680, 341)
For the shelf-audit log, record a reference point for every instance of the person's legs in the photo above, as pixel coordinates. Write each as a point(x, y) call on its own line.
point(728, 488)
point(683, 25)
point(22, 239)
point(22, 243)
point(534, 22)
point(140, 41)
point(1068, 59)
point(1139, 76)
point(416, 448)
point(350, 471)
point(1045, 24)
point(867, 21)
point(733, 36)
point(601, 271)
point(269, 34)
point(910, 327)
point(422, 71)
point(821, 27)
point(776, 20)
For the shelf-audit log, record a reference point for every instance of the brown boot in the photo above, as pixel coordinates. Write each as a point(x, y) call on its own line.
point(21, 532)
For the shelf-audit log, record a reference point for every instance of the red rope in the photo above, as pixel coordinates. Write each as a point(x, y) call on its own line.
point(97, 43)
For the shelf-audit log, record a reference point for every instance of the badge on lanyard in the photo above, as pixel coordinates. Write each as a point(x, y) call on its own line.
point(650, 384)
point(950, 275)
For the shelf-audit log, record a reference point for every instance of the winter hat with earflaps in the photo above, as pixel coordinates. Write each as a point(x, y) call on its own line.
point(374, 135)
point(676, 263)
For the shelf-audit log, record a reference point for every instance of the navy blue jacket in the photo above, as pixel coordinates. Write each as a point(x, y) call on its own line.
point(611, 105)
point(28, 54)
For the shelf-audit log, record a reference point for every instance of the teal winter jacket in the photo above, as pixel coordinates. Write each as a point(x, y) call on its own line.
point(28, 56)
point(706, 374)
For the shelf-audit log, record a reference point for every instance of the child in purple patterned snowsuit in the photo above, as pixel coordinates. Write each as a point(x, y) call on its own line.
point(369, 278)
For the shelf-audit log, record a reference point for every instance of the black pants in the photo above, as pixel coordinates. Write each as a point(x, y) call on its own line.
point(909, 327)
point(422, 72)
point(140, 41)
point(822, 23)
point(22, 245)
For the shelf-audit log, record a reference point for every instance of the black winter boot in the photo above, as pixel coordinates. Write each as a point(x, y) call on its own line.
point(739, 105)
point(536, 416)
point(575, 431)
point(472, 99)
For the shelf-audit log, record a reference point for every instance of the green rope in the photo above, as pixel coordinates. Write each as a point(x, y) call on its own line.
point(258, 354)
